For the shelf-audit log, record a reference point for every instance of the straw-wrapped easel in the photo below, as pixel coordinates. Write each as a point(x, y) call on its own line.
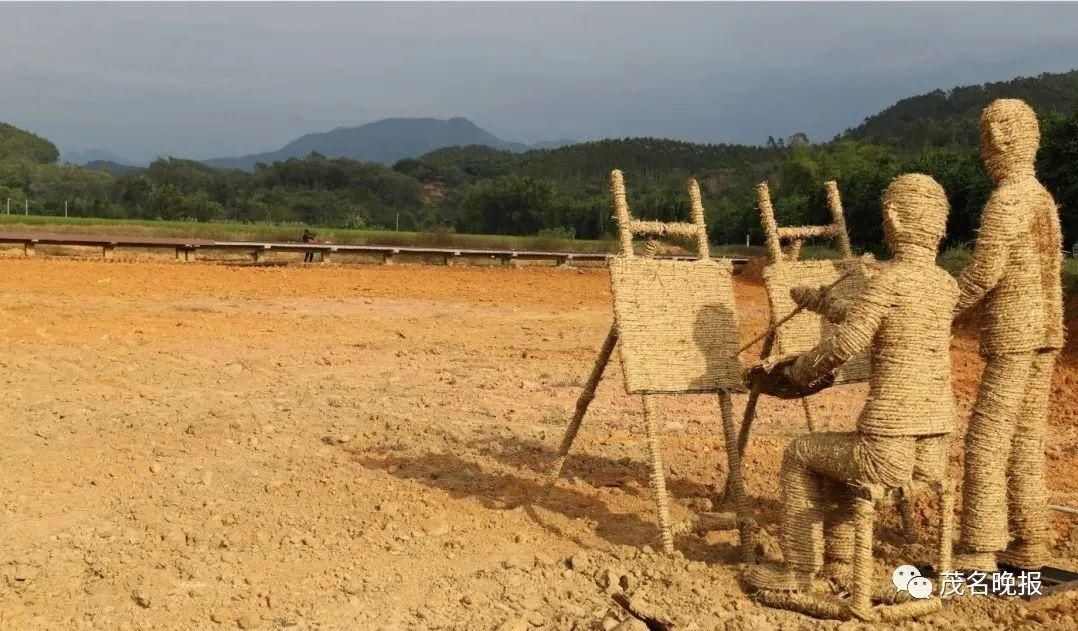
point(792, 330)
point(677, 328)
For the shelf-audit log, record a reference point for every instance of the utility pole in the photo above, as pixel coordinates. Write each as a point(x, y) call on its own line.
point(9, 205)
point(65, 208)
point(398, 222)
point(26, 206)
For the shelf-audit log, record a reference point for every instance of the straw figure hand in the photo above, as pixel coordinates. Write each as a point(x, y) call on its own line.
point(773, 377)
point(806, 297)
point(822, 301)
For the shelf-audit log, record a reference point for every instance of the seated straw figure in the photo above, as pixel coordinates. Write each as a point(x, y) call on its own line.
point(903, 318)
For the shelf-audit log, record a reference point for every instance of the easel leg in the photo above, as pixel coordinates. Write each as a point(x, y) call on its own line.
point(946, 523)
point(582, 403)
point(747, 419)
point(906, 505)
point(808, 414)
point(734, 483)
point(750, 405)
point(658, 475)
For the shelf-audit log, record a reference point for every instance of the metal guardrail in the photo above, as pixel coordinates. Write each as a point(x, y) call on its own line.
point(186, 249)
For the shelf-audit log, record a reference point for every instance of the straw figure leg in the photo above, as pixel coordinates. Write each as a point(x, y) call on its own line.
point(582, 403)
point(907, 509)
point(1028, 498)
point(838, 528)
point(658, 475)
point(816, 472)
point(864, 515)
point(861, 606)
point(988, 442)
point(734, 481)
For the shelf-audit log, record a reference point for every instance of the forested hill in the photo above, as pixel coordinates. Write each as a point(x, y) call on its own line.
point(19, 145)
point(950, 118)
point(652, 159)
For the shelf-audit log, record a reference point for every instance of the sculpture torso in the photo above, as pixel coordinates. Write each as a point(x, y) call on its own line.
point(1015, 307)
point(910, 391)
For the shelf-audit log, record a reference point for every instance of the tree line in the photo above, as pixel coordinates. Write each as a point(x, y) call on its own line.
point(484, 190)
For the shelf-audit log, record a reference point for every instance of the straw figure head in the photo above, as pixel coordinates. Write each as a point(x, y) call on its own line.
point(1010, 137)
point(914, 216)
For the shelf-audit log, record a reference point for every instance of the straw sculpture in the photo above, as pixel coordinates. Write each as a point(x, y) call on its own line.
point(784, 274)
point(806, 329)
point(794, 328)
point(903, 318)
point(676, 325)
point(1014, 276)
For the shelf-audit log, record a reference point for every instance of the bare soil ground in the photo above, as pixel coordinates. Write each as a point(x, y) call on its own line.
point(209, 446)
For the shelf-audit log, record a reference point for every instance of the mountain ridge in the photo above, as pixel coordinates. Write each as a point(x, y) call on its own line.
point(87, 156)
point(386, 141)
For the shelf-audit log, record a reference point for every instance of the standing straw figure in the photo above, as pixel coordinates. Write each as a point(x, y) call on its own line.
point(1015, 274)
point(903, 318)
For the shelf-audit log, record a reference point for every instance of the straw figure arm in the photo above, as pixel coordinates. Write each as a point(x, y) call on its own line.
point(852, 337)
point(817, 300)
point(1048, 237)
point(999, 227)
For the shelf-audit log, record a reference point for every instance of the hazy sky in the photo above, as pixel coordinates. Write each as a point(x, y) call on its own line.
point(205, 80)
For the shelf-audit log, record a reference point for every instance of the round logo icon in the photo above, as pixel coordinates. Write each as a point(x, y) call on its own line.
point(901, 577)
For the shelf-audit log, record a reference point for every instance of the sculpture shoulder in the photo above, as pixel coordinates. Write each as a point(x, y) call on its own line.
point(1011, 209)
point(1026, 194)
point(1016, 193)
point(919, 279)
point(881, 288)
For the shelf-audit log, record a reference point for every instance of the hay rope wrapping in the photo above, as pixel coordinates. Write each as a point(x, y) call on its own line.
point(803, 331)
point(903, 316)
point(1015, 275)
point(1028, 507)
point(817, 470)
point(675, 320)
point(838, 219)
point(676, 324)
point(785, 273)
point(658, 474)
point(696, 204)
point(582, 403)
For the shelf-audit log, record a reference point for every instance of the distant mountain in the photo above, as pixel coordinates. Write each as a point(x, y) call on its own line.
point(950, 118)
point(20, 145)
point(385, 141)
point(81, 158)
point(110, 167)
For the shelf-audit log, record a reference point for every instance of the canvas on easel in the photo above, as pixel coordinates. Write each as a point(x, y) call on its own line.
point(677, 328)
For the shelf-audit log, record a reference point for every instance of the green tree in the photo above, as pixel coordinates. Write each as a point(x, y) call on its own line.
point(1057, 166)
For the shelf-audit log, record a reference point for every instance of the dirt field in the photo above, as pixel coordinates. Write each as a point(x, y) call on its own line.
point(207, 447)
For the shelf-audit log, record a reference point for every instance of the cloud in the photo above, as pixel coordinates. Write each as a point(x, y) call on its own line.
point(205, 80)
